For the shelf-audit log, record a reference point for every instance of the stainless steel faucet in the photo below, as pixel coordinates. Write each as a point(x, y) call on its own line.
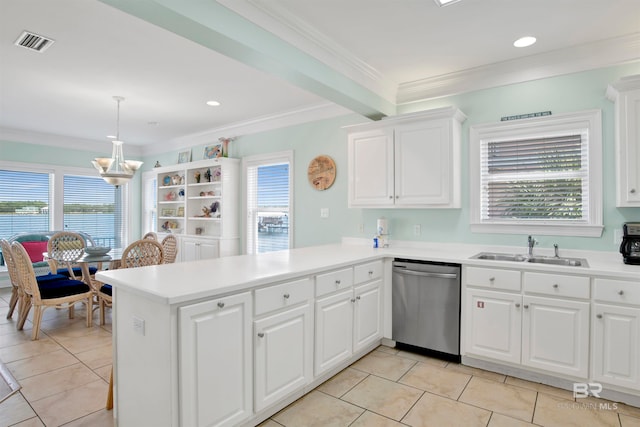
point(532, 242)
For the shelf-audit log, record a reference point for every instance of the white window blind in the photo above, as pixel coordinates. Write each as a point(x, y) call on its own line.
point(96, 208)
point(536, 178)
point(24, 201)
point(149, 197)
point(269, 195)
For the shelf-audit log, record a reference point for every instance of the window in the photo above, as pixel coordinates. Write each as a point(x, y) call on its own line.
point(39, 199)
point(269, 198)
point(538, 176)
point(149, 198)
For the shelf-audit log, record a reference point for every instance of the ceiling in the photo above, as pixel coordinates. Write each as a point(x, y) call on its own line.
point(279, 61)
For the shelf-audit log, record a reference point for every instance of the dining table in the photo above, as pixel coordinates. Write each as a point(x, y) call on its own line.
point(113, 258)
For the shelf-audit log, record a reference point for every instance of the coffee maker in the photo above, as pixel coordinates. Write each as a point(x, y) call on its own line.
point(630, 246)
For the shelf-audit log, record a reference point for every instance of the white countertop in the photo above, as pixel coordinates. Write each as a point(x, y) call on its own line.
point(187, 281)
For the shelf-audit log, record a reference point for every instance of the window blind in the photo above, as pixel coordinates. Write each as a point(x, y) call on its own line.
point(544, 178)
point(24, 201)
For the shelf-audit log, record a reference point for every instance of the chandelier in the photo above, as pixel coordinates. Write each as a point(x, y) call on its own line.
point(115, 170)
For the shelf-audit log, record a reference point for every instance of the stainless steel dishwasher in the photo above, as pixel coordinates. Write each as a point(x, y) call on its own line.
point(426, 307)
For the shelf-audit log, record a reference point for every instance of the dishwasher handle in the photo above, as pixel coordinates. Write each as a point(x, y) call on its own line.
point(426, 274)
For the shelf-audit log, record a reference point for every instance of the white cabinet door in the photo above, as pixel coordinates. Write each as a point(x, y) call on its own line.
point(616, 355)
point(215, 362)
point(555, 335)
point(371, 168)
point(283, 345)
point(194, 249)
point(334, 330)
point(423, 162)
point(493, 325)
point(190, 250)
point(367, 316)
point(208, 250)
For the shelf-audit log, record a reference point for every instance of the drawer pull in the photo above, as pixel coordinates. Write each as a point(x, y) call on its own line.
point(632, 191)
point(221, 304)
point(599, 316)
point(555, 286)
point(517, 305)
point(526, 306)
point(260, 334)
point(337, 281)
point(353, 300)
point(620, 292)
point(492, 279)
point(370, 272)
point(358, 297)
point(286, 296)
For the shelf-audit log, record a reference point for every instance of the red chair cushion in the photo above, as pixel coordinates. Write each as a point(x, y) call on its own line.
point(35, 250)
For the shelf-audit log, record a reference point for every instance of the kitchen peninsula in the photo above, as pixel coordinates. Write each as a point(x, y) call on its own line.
point(230, 341)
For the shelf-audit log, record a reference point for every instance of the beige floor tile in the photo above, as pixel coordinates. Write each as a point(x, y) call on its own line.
point(10, 328)
point(493, 376)
point(499, 420)
point(318, 409)
point(542, 388)
point(629, 410)
point(97, 338)
point(17, 337)
point(104, 372)
point(384, 365)
point(96, 357)
point(383, 397)
point(14, 410)
point(40, 364)
point(342, 382)
point(55, 382)
point(31, 422)
point(516, 402)
point(387, 349)
point(552, 411)
point(63, 322)
point(369, 419)
point(269, 423)
point(436, 380)
point(102, 418)
point(432, 410)
point(421, 358)
point(627, 421)
point(28, 349)
point(72, 404)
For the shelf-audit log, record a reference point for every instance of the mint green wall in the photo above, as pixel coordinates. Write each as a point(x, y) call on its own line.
point(48, 155)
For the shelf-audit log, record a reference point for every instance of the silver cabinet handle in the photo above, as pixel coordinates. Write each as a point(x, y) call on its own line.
point(286, 296)
point(620, 292)
point(391, 197)
point(337, 281)
point(555, 286)
point(599, 316)
point(526, 306)
point(221, 304)
point(353, 300)
point(492, 279)
point(397, 197)
point(632, 191)
point(517, 305)
point(370, 273)
point(260, 334)
point(358, 297)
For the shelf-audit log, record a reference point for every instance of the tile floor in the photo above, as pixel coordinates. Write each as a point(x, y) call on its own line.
point(64, 378)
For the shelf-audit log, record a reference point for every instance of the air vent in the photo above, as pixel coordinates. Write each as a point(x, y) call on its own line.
point(33, 41)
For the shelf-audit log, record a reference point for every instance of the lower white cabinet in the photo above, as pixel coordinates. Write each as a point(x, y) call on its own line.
point(215, 361)
point(194, 248)
point(346, 322)
point(283, 345)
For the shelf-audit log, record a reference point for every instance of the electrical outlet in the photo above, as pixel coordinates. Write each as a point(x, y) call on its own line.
point(417, 230)
point(324, 212)
point(138, 325)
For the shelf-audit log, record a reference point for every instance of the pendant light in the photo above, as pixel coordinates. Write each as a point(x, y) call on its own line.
point(115, 170)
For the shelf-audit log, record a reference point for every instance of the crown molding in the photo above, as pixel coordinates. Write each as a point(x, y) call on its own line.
point(603, 53)
point(260, 124)
point(276, 19)
point(61, 141)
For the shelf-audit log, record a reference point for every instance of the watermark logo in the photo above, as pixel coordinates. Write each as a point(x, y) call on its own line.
point(583, 390)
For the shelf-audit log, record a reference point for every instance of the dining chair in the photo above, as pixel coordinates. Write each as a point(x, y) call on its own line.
point(60, 293)
point(140, 253)
point(150, 235)
point(169, 249)
point(66, 247)
point(13, 278)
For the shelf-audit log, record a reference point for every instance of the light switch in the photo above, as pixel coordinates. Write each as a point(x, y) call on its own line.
point(138, 325)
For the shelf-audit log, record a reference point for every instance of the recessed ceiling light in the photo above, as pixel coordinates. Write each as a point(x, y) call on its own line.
point(213, 103)
point(524, 41)
point(445, 2)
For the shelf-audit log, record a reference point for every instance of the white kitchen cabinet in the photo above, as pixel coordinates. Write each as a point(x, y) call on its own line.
point(409, 161)
point(367, 318)
point(215, 361)
point(616, 333)
point(493, 325)
point(283, 340)
point(194, 249)
point(334, 330)
point(625, 93)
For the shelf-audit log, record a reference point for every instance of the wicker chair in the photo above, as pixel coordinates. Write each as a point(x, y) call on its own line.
point(59, 293)
point(170, 249)
point(150, 235)
point(66, 247)
point(140, 253)
point(16, 292)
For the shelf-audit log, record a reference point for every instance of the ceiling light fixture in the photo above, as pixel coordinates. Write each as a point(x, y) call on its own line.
point(524, 41)
point(116, 170)
point(445, 2)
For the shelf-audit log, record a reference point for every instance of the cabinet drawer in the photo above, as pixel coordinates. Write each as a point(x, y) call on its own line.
point(282, 295)
point(493, 278)
point(617, 291)
point(557, 284)
point(365, 272)
point(334, 281)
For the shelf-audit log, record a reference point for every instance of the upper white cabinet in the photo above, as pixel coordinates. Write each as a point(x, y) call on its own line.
point(408, 161)
point(626, 95)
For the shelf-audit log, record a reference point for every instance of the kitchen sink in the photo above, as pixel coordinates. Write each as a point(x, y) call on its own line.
point(570, 262)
